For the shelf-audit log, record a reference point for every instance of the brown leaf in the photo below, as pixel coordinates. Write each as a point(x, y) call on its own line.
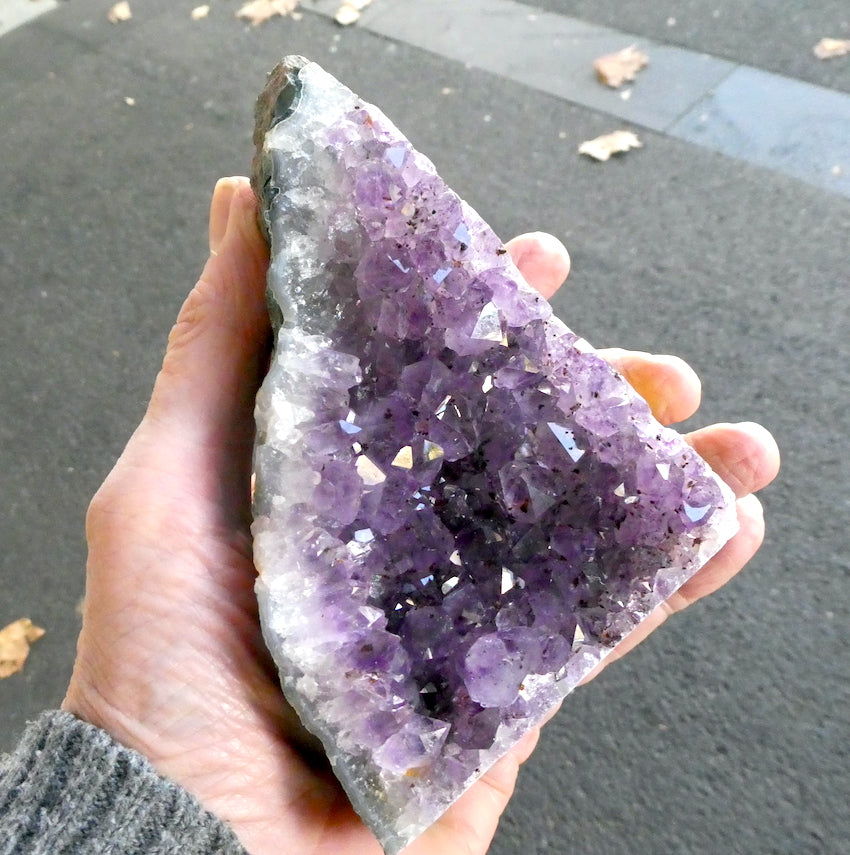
point(831, 48)
point(119, 12)
point(603, 147)
point(349, 12)
point(615, 69)
point(15, 640)
point(260, 11)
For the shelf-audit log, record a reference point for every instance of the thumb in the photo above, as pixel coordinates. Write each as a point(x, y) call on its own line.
point(217, 349)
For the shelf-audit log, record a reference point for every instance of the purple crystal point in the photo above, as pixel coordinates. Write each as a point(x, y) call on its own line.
point(460, 509)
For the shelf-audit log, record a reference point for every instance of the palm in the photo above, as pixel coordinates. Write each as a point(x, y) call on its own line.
point(171, 660)
point(186, 679)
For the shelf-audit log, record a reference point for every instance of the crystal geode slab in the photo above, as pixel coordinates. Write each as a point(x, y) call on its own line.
point(460, 509)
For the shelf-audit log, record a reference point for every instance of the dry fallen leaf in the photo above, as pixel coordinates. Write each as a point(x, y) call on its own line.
point(119, 12)
point(349, 12)
point(615, 69)
point(15, 641)
point(830, 48)
point(200, 12)
point(603, 147)
point(347, 15)
point(259, 11)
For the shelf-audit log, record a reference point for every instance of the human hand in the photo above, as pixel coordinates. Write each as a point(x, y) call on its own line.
point(170, 658)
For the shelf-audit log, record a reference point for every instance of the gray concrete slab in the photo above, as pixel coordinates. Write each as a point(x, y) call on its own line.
point(14, 13)
point(783, 124)
point(728, 730)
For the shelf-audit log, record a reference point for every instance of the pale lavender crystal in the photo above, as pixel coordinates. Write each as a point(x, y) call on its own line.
point(459, 509)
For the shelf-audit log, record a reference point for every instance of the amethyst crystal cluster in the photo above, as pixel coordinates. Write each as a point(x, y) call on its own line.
point(459, 508)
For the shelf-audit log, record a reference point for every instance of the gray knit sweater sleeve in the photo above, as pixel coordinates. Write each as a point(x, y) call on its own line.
point(70, 788)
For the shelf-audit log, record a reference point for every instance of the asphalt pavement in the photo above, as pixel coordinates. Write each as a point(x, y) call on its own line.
point(728, 730)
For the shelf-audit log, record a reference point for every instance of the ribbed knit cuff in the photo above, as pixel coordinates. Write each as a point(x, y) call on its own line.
point(70, 788)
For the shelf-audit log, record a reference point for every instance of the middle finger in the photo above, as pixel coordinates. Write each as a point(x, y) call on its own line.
point(668, 384)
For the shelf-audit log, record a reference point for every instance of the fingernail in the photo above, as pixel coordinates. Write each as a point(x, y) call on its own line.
point(220, 211)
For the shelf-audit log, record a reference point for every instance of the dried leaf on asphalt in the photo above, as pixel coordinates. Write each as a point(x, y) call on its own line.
point(259, 11)
point(603, 147)
point(349, 12)
point(830, 48)
point(200, 12)
point(615, 69)
point(119, 12)
point(15, 641)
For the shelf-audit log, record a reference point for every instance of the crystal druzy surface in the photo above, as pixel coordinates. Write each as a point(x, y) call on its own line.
point(459, 508)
